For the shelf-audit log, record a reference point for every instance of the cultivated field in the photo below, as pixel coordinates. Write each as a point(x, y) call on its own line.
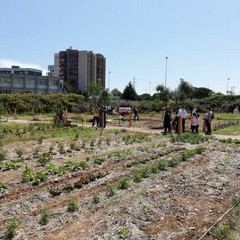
point(118, 183)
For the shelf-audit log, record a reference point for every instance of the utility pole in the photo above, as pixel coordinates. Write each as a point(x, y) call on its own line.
point(109, 73)
point(166, 73)
point(134, 81)
point(227, 84)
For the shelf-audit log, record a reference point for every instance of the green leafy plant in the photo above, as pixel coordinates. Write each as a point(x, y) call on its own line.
point(88, 150)
point(96, 198)
point(2, 186)
point(39, 177)
point(45, 217)
point(11, 227)
point(162, 164)
point(35, 178)
point(99, 160)
point(76, 136)
point(137, 138)
point(28, 175)
point(11, 164)
point(2, 155)
point(72, 205)
point(124, 232)
point(40, 139)
point(75, 166)
point(50, 149)
point(44, 158)
point(119, 153)
point(61, 148)
point(36, 151)
point(143, 149)
point(56, 170)
point(72, 145)
point(137, 176)
point(110, 189)
point(19, 152)
point(108, 141)
point(222, 232)
point(123, 183)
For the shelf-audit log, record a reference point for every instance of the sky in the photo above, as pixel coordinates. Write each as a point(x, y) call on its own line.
point(200, 38)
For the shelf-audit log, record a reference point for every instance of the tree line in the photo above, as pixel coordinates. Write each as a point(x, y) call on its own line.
point(184, 94)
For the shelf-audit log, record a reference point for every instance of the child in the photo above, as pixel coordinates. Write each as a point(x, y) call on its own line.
point(194, 123)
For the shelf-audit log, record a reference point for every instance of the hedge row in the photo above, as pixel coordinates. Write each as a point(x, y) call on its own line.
point(40, 103)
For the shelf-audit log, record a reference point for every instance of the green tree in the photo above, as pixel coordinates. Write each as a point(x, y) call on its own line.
point(104, 97)
point(185, 90)
point(116, 92)
point(165, 93)
point(145, 96)
point(34, 103)
point(95, 89)
point(58, 105)
point(129, 93)
point(69, 88)
point(202, 92)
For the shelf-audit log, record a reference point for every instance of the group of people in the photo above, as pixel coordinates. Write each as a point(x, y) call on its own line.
point(170, 123)
point(99, 116)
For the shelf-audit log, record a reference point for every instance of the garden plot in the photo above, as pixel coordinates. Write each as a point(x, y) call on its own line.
point(73, 183)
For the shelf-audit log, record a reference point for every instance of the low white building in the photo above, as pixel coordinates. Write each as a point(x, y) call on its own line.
point(28, 80)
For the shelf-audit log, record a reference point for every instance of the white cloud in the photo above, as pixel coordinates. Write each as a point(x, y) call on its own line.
point(8, 63)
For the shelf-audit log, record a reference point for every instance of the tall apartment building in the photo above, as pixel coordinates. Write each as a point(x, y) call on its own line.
point(80, 68)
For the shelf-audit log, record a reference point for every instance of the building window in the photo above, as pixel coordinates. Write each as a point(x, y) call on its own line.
point(53, 83)
point(5, 80)
point(30, 81)
point(42, 82)
point(7, 91)
point(18, 81)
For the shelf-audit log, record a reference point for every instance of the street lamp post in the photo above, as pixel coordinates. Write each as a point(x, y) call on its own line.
point(166, 73)
point(109, 80)
point(227, 85)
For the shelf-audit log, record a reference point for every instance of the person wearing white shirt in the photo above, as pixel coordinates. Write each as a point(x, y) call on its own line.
point(183, 114)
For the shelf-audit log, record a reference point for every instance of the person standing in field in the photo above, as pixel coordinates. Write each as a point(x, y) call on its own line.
point(135, 114)
point(183, 114)
point(208, 119)
point(194, 123)
point(95, 116)
point(167, 121)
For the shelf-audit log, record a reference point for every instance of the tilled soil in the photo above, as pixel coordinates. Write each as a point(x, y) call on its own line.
point(181, 202)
